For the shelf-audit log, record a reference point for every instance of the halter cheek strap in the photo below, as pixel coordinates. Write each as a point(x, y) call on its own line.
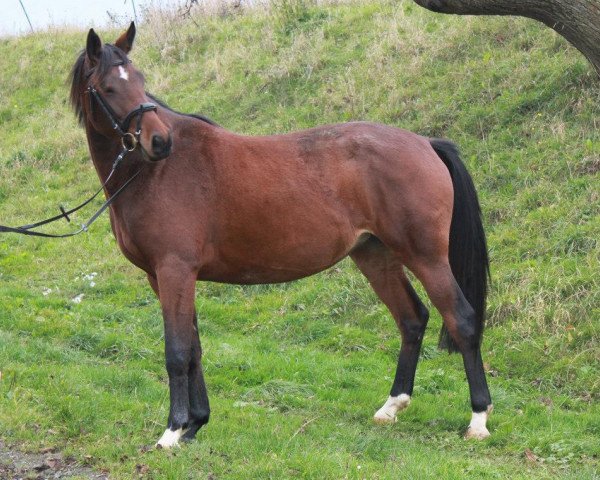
point(129, 140)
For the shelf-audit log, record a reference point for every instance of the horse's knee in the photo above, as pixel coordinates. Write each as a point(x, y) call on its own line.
point(177, 361)
point(412, 331)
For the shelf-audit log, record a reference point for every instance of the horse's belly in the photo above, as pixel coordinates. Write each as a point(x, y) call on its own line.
point(252, 275)
point(271, 261)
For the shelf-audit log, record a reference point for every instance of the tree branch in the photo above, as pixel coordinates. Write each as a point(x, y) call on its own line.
point(578, 21)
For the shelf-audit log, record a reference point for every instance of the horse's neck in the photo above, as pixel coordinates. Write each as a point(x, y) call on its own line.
point(103, 150)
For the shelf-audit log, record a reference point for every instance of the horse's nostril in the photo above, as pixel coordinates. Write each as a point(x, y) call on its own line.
point(158, 143)
point(161, 146)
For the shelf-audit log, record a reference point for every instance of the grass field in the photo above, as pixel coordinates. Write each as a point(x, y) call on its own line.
point(296, 371)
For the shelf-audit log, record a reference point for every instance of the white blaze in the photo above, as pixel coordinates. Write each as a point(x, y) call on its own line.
point(123, 73)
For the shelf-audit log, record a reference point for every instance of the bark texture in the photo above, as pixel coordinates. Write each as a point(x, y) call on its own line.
point(576, 20)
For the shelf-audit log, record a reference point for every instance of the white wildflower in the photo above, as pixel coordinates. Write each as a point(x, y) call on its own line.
point(78, 298)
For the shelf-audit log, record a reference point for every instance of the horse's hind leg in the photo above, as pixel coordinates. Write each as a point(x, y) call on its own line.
point(199, 406)
point(460, 320)
point(385, 274)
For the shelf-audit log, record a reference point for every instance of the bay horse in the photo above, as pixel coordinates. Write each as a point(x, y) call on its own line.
point(209, 204)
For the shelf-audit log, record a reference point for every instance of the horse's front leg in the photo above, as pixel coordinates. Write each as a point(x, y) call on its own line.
point(176, 285)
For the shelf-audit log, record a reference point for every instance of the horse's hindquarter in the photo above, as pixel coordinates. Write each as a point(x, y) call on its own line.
point(289, 206)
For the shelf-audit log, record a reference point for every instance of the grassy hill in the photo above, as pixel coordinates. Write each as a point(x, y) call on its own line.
point(296, 371)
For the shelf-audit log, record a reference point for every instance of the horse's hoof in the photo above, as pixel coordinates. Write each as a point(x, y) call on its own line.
point(472, 433)
point(170, 438)
point(477, 428)
point(387, 413)
point(384, 418)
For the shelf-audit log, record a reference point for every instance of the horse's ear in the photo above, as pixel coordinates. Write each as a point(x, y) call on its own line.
point(93, 46)
point(125, 41)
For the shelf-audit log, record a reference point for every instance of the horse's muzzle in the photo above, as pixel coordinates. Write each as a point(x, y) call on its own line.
point(161, 147)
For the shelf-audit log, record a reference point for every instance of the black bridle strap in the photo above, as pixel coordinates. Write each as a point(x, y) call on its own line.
point(143, 108)
point(83, 228)
point(29, 229)
point(108, 111)
point(65, 213)
point(123, 126)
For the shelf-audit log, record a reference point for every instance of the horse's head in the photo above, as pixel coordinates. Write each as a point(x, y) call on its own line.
point(107, 92)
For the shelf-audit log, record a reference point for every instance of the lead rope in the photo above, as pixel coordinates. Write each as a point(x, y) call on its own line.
point(29, 229)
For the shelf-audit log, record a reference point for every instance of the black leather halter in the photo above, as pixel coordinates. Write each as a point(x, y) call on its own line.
point(129, 140)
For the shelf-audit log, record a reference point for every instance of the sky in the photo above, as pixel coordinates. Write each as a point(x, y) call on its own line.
point(81, 13)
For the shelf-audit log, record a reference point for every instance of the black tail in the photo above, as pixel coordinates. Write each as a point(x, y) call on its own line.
point(468, 250)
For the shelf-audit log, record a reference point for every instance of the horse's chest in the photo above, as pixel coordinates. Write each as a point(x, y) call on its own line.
point(128, 246)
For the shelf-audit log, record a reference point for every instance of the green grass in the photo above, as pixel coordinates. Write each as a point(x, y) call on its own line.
point(296, 371)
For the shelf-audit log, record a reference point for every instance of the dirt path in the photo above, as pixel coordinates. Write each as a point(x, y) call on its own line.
point(46, 465)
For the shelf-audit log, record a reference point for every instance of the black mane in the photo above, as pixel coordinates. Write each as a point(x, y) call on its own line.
point(192, 115)
point(109, 56)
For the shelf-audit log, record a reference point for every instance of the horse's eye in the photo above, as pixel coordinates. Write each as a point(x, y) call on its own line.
point(109, 91)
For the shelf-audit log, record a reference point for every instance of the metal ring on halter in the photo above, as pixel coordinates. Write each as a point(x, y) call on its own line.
point(129, 141)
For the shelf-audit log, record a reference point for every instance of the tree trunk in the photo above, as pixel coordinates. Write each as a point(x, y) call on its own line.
point(576, 20)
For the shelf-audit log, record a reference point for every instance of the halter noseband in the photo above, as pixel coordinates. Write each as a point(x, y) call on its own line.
point(128, 140)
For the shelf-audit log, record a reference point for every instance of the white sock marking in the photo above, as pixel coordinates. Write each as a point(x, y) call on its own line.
point(170, 438)
point(123, 73)
point(387, 413)
point(477, 428)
